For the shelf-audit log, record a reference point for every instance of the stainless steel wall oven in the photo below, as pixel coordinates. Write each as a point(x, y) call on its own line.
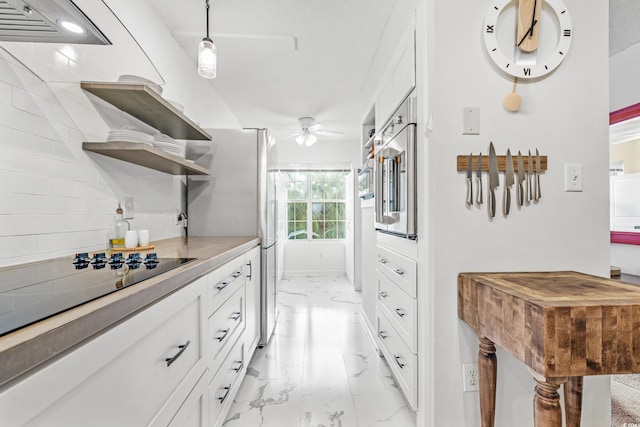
point(395, 173)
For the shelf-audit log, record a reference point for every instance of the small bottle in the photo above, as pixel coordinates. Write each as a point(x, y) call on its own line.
point(120, 227)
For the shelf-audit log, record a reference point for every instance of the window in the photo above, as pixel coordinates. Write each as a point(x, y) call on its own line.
point(315, 205)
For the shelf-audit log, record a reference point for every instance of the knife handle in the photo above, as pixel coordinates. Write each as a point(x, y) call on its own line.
point(530, 192)
point(479, 187)
point(469, 192)
point(507, 200)
point(538, 192)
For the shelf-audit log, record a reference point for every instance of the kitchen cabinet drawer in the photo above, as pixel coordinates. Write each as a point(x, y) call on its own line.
point(400, 309)
point(225, 325)
point(403, 363)
point(122, 377)
point(399, 269)
point(192, 411)
point(225, 384)
point(225, 281)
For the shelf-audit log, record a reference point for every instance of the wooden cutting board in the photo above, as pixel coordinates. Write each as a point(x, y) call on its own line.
point(136, 249)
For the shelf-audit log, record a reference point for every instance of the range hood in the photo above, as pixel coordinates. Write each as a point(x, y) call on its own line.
point(45, 21)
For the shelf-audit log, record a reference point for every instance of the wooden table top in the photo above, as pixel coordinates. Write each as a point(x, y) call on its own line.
point(558, 323)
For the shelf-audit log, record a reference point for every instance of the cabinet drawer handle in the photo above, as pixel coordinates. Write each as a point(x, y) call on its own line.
point(223, 285)
point(239, 368)
point(222, 398)
point(382, 334)
point(224, 335)
point(181, 350)
point(400, 364)
point(236, 315)
point(398, 271)
point(383, 294)
point(250, 270)
point(237, 274)
point(400, 313)
point(382, 260)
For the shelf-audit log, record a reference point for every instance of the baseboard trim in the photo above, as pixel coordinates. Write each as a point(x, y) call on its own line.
point(298, 273)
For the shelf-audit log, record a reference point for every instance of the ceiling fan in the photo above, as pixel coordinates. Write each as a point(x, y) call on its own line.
point(308, 131)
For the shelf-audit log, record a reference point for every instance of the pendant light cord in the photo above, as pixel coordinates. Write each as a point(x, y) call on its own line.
point(207, 1)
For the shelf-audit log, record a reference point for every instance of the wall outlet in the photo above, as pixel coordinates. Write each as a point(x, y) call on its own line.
point(128, 207)
point(177, 214)
point(471, 121)
point(470, 377)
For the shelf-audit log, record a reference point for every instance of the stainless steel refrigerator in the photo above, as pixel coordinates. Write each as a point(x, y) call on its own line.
point(239, 198)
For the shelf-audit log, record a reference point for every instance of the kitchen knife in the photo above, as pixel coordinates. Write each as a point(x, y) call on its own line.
point(520, 180)
point(529, 176)
point(538, 172)
point(493, 179)
point(508, 182)
point(479, 180)
point(469, 179)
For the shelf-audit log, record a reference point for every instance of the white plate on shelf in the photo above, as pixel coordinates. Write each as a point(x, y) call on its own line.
point(129, 136)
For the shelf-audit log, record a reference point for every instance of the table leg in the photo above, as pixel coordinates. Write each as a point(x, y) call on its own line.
point(573, 401)
point(487, 374)
point(546, 402)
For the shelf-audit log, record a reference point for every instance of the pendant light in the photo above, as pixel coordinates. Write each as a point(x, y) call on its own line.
point(207, 54)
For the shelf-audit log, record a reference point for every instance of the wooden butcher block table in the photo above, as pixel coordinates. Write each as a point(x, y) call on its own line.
point(562, 325)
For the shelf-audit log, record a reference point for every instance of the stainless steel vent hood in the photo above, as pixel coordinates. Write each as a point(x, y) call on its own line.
point(44, 21)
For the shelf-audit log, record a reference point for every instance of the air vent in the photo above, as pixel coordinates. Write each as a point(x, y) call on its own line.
point(42, 21)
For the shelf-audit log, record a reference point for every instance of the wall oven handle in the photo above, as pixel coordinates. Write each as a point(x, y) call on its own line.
point(181, 350)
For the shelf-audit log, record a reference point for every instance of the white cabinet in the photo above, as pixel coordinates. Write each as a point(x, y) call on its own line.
point(397, 318)
point(138, 373)
point(625, 202)
point(176, 363)
point(252, 328)
point(399, 81)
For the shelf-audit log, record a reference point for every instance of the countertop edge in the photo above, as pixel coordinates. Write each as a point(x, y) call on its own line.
point(33, 347)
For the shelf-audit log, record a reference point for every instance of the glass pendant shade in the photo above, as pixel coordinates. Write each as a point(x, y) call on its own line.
point(207, 58)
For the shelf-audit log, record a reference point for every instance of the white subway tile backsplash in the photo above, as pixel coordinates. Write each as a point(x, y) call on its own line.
point(51, 205)
point(17, 203)
point(24, 101)
point(17, 246)
point(47, 129)
point(25, 141)
point(5, 226)
point(6, 181)
point(67, 223)
point(31, 224)
point(16, 161)
point(87, 241)
point(47, 243)
point(15, 119)
point(97, 222)
point(51, 167)
point(83, 173)
point(67, 188)
point(5, 93)
point(31, 184)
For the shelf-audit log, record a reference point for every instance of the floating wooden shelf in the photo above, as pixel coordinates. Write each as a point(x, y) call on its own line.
point(145, 155)
point(463, 161)
point(145, 104)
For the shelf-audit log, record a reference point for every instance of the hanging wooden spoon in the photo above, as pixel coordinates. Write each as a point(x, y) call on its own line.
point(512, 101)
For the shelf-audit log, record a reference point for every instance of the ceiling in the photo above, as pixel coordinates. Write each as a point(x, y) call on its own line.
point(279, 60)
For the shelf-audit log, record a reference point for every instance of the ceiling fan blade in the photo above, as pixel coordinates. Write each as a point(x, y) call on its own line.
point(327, 132)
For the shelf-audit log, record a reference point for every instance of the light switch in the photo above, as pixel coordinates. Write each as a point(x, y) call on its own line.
point(471, 121)
point(572, 177)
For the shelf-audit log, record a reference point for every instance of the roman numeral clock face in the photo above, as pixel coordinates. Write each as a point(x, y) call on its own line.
point(527, 38)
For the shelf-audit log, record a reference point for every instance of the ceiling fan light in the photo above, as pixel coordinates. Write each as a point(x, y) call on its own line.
point(310, 139)
point(300, 139)
point(207, 59)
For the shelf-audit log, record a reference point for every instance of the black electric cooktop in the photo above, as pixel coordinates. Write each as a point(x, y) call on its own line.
point(33, 292)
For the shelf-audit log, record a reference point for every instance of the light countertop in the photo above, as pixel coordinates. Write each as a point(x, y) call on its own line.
point(26, 349)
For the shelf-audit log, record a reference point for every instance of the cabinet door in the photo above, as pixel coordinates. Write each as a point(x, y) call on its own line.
point(123, 377)
point(252, 271)
point(404, 75)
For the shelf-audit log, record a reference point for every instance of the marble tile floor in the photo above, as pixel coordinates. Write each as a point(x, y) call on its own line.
point(320, 368)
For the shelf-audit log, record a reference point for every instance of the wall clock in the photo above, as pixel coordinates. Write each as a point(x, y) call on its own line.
point(530, 39)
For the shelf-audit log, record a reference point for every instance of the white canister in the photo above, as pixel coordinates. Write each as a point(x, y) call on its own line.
point(143, 237)
point(131, 239)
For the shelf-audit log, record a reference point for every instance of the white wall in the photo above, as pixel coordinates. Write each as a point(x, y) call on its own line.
point(314, 258)
point(566, 117)
point(56, 199)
